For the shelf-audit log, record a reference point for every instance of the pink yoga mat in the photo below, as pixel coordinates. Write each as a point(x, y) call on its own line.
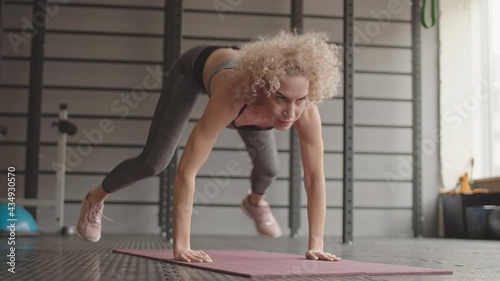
point(258, 264)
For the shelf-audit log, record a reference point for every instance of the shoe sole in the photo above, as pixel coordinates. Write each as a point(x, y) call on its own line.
point(250, 217)
point(87, 239)
point(81, 236)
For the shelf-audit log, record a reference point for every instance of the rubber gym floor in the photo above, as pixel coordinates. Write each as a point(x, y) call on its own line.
point(53, 257)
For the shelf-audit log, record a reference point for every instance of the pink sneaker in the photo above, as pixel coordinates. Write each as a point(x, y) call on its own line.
point(263, 217)
point(89, 223)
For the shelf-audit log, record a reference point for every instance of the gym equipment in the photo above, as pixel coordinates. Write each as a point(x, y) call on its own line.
point(433, 13)
point(65, 128)
point(259, 264)
point(16, 219)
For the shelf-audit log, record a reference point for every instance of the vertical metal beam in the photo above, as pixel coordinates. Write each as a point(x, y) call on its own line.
point(295, 178)
point(171, 51)
point(2, 11)
point(164, 210)
point(166, 198)
point(35, 100)
point(347, 229)
point(417, 120)
point(297, 17)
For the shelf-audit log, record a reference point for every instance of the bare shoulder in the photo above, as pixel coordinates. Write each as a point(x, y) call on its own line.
point(309, 123)
point(309, 117)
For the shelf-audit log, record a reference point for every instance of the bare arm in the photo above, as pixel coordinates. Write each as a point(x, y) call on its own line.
point(221, 109)
point(311, 145)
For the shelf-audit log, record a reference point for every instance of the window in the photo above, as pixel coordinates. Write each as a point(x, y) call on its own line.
point(487, 120)
point(494, 59)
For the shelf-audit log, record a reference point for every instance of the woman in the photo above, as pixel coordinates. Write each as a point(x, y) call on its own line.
point(272, 83)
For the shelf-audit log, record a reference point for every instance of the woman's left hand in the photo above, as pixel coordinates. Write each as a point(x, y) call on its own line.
point(320, 255)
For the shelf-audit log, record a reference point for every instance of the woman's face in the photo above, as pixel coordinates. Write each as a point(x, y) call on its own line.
point(286, 105)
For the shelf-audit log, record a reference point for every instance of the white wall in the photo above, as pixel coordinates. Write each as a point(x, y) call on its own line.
point(382, 112)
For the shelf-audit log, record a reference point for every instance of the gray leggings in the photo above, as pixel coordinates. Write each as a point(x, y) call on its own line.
point(169, 120)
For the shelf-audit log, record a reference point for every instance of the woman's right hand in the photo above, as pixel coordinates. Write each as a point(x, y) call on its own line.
point(192, 256)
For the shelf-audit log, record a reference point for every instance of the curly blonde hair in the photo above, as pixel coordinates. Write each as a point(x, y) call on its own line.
point(263, 62)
